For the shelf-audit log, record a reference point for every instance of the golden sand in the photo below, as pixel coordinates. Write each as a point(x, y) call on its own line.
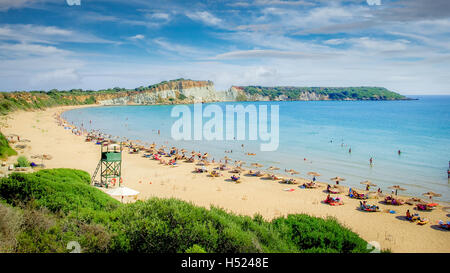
point(253, 195)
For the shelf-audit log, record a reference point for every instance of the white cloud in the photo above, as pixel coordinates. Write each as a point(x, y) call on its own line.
point(258, 53)
point(17, 50)
point(56, 78)
point(204, 17)
point(137, 37)
point(6, 5)
point(373, 2)
point(178, 48)
point(46, 34)
point(160, 15)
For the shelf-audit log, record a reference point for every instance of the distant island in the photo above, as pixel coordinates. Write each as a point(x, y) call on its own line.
point(185, 91)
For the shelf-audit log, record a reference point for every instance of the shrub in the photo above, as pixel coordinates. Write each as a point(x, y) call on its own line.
point(195, 249)
point(61, 206)
point(22, 161)
point(5, 149)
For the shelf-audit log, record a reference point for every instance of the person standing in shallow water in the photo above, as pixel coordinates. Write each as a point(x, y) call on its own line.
point(371, 161)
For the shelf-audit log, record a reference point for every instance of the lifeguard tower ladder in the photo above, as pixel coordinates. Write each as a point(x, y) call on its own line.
point(110, 165)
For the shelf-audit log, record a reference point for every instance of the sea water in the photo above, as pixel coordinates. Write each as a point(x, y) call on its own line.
point(316, 136)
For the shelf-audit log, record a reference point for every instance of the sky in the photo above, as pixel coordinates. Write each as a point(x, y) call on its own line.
point(403, 45)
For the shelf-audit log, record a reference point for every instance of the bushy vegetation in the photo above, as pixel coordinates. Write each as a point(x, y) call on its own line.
point(22, 100)
point(22, 161)
point(333, 93)
point(43, 211)
point(5, 149)
point(39, 100)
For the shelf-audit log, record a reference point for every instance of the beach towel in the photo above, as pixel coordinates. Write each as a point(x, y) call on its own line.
point(288, 189)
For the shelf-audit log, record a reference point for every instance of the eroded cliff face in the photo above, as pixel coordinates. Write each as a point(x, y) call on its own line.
point(174, 92)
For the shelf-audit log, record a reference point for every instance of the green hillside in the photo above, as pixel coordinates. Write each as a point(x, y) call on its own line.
point(43, 211)
point(332, 93)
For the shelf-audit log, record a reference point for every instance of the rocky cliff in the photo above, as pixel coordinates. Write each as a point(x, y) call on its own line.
point(173, 92)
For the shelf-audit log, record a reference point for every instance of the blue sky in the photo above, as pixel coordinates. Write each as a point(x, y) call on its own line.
point(403, 45)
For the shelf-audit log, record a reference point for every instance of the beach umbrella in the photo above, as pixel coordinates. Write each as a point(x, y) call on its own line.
point(337, 178)
point(122, 191)
point(314, 174)
point(273, 168)
point(293, 171)
point(257, 165)
point(369, 183)
point(397, 188)
point(432, 194)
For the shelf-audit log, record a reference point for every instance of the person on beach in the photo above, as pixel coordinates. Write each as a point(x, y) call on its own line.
point(371, 161)
point(350, 150)
point(399, 152)
point(367, 187)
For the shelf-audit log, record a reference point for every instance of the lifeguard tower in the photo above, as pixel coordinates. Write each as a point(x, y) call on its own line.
point(110, 165)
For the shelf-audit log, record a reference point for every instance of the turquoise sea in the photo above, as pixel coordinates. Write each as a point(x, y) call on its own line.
point(322, 132)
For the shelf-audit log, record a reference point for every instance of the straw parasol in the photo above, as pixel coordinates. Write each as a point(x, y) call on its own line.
point(273, 168)
point(314, 174)
point(240, 162)
point(432, 194)
point(369, 183)
point(397, 188)
point(293, 172)
point(257, 165)
point(337, 178)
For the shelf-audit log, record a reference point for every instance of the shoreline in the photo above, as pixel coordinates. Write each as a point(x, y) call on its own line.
point(153, 179)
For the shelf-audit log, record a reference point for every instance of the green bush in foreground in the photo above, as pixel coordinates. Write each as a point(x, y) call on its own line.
point(53, 207)
point(5, 149)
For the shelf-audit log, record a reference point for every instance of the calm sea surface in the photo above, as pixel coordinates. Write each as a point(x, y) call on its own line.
point(322, 132)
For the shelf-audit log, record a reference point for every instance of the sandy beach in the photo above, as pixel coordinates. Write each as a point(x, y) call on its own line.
point(253, 195)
